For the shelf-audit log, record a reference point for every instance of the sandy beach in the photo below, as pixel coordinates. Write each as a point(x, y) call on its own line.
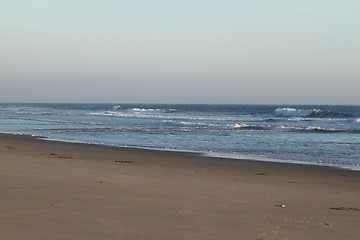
point(55, 190)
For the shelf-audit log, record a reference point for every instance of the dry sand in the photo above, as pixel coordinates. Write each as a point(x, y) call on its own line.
point(53, 190)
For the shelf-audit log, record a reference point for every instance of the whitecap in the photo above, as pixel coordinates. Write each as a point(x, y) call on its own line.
point(302, 113)
point(293, 112)
point(243, 125)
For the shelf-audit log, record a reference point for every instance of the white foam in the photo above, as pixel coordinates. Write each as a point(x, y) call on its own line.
point(169, 121)
point(243, 125)
point(355, 125)
point(293, 112)
point(146, 110)
point(321, 129)
point(282, 128)
point(196, 123)
point(118, 107)
point(309, 113)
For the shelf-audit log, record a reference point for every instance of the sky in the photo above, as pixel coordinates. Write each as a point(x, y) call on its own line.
point(188, 51)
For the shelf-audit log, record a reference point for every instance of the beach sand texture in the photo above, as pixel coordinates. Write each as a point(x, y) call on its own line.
point(54, 190)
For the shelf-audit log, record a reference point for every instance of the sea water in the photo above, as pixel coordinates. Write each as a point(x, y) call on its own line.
point(322, 135)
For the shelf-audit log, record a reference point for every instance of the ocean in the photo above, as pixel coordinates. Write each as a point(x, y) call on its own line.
point(316, 135)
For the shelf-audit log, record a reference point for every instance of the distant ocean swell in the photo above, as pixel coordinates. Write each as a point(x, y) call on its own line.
point(296, 114)
point(242, 124)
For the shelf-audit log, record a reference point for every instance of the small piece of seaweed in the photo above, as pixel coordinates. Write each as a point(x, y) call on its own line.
point(345, 208)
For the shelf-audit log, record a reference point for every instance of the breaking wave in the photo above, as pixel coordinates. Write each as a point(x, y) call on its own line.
point(247, 127)
point(285, 128)
point(312, 113)
point(118, 107)
point(243, 125)
point(142, 110)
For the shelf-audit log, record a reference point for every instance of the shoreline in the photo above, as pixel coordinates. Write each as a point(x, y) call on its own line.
point(214, 155)
point(59, 190)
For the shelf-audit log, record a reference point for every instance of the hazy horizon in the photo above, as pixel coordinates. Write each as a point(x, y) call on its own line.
point(285, 105)
point(206, 52)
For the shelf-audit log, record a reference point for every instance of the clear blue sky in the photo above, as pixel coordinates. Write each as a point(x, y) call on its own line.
point(188, 51)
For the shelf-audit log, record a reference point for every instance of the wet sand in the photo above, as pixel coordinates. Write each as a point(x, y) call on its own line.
point(54, 190)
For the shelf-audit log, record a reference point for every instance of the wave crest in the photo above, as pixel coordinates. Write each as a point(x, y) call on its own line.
point(118, 107)
point(315, 113)
point(143, 110)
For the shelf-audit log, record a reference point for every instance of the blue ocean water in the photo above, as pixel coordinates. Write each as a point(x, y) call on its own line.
point(324, 135)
